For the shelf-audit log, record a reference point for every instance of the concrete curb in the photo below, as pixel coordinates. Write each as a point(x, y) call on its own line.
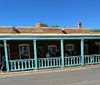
point(5, 74)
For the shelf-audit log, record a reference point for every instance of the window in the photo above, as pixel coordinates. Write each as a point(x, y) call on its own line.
point(24, 51)
point(52, 49)
point(69, 47)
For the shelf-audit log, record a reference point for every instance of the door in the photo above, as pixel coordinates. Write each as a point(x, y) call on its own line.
point(86, 49)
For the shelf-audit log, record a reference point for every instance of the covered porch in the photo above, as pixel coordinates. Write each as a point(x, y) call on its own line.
point(84, 54)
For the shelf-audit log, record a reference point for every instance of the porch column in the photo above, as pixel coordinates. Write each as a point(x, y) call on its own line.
point(6, 55)
point(35, 54)
point(82, 51)
point(62, 53)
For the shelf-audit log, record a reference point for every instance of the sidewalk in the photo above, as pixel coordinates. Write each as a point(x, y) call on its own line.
point(5, 74)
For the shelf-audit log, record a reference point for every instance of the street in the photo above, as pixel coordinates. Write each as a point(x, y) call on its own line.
point(89, 76)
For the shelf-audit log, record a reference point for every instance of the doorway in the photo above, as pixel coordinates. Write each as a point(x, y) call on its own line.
point(85, 49)
point(1, 54)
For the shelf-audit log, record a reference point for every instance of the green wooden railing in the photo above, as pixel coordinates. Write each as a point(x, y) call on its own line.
point(91, 59)
point(24, 64)
point(49, 62)
point(27, 64)
point(72, 60)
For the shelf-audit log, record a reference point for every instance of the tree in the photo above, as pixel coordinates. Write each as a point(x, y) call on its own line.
point(54, 26)
point(95, 30)
point(44, 25)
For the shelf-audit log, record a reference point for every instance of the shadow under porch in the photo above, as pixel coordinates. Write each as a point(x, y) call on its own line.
point(48, 53)
point(60, 58)
point(2, 53)
point(21, 55)
point(92, 48)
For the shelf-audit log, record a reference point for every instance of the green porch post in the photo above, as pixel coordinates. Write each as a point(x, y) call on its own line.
point(62, 53)
point(6, 55)
point(82, 51)
point(35, 54)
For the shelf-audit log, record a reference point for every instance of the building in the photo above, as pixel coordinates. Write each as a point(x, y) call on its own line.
point(27, 48)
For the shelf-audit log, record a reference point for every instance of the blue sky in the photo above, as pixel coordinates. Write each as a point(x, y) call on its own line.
point(61, 12)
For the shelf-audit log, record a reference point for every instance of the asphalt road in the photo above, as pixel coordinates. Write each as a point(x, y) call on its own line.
point(89, 76)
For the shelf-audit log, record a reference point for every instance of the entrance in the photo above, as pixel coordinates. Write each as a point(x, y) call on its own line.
point(85, 49)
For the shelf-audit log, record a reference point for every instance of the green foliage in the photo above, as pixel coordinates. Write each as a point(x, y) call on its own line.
point(54, 26)
point(65, 26)
point(44, 25)
point(33, 26)
point(95, 30)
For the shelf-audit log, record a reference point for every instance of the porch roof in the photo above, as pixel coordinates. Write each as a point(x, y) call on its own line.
point(72, 36)
point(51, 34)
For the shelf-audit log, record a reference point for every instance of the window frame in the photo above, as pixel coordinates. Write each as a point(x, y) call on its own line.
point(50, 46)
point(69, 45)
point(28, 50)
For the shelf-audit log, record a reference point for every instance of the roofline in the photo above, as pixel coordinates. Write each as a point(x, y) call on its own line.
point(50, 34)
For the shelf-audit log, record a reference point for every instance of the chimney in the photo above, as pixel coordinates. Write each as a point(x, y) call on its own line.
point(38, 25)
point(79, 25)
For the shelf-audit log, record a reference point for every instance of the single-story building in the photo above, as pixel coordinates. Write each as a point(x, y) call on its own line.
point(27, 48)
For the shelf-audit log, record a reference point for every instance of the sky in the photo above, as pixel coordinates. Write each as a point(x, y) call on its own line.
point(65, 13)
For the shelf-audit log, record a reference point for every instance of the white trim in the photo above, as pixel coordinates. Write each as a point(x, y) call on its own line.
point(28, 49)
